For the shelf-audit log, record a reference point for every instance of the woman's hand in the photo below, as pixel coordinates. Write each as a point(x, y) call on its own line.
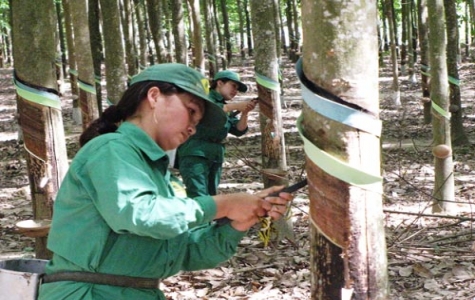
point(241, 208)
point(244, 210)
point(279, 203)
point(250, 105)
point(242, 106)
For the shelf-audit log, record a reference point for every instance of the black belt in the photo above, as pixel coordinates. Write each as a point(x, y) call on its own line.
point(105, 279)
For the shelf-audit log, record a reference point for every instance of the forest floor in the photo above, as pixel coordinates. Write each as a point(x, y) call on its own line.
point(429, 256)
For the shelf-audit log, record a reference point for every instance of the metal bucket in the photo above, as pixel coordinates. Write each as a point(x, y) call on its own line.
point(19, 278)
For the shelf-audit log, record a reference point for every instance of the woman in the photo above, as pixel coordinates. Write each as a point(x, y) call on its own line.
point(117, 226)
point(201, 158)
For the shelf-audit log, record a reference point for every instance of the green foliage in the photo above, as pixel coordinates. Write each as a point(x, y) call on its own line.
point(4, 16)
point(397, 10)
point(4, 5)
point(233, 16)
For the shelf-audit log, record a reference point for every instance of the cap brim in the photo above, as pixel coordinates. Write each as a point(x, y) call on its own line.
point(214, 115)
point(241, 86)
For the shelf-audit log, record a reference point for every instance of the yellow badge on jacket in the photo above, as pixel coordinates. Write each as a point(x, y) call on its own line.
point(205, 83)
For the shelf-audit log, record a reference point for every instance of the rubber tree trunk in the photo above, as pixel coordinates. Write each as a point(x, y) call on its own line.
point(348, 249)
point(278, 40)
point(241, 30)
point(439, 94)
point(73, 74)
point(459, 137)
point(409, 8)
point(422, 22)
point(250, 45)
point(468, 36)
point(178, 29)
point(62, 40)
point(471, 6)
point(296, 18)
point(266, 66)
point(127, 27)
point(142, 33)
point(227, 31)
point(210, 37)
point(396, 93)
point(273, 142)
point(198, 52)
point(155, 17)
point(291, 30)
point(96, 48)
point(41, 122)
point(116, 75)
point(404, 36)
point(86, 78)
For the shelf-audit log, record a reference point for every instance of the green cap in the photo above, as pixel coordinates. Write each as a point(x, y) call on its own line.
point(189, 80)
point(226, 74)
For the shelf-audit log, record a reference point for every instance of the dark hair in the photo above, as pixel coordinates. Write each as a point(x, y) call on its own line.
point(214, 83)
point(127, 106)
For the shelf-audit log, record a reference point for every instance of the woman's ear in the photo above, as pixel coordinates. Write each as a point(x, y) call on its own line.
point(219, 84)
point(152, 96)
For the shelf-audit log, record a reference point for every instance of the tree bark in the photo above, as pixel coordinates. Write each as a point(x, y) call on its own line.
point(34, 52)
point(411, 47)
point(142, 33)
point(227, 32)
point(267, 67)
point(404, 36)
point(72, 62)
point(221, 42)
point(296, 18)
point(62, 40)
point(241, 30)
point(127, 26)
point(86, 78)
point(96, 48)
point(471, 5)
point(168, 37)
point(468, 35)
point(273, 151)
point(155, 17)
point(178, 29)
point(439, 93)
point(396, 94)
point(348, 250)
point(116, 78)
point(283, 37)
point(210, 37)
point(198, 53)
point(250, 45)
point(291, 30)
point(459, 137)
point(424, 51)
point(278, 40)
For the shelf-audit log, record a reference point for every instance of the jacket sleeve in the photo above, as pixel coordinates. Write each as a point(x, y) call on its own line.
point(134, 197)
point(208, 246)
point(233, 129)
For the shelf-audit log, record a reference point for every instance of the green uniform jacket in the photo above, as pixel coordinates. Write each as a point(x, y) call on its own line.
point(116, 213)
point(207, 142)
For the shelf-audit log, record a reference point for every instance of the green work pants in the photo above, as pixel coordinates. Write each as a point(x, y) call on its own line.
point(200, 175)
